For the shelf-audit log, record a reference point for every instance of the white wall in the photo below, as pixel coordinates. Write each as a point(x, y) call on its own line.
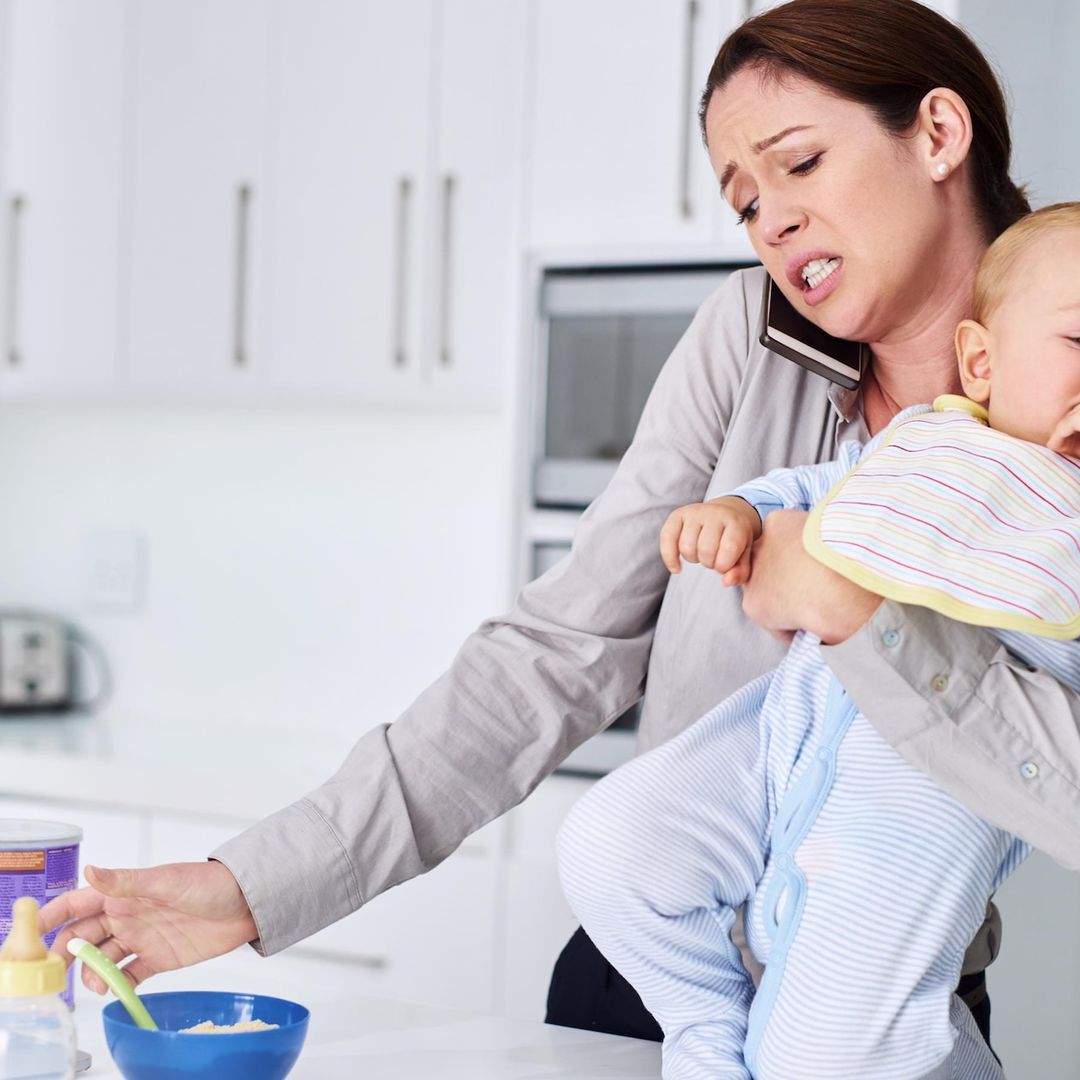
point(1033, 47)
point(314, 566)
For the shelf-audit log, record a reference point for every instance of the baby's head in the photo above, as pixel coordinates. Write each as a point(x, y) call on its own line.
point(1020, 354)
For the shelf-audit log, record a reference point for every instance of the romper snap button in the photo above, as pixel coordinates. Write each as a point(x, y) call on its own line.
point(891, 638)
point(1029, 770)
point(939, 683)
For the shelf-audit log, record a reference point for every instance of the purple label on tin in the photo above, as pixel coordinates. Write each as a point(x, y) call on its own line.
point(42, 874)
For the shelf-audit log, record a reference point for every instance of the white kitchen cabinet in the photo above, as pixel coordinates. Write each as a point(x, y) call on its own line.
point(615, 156)
point(110, 837)
point(474, 252)
point(430, 940)
point(63, 139)
point(395, 197)
point(351, 195)
point(538, 921)
point(200, 105)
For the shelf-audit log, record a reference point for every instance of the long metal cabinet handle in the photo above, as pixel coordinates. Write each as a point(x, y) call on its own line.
point(240, 287)
point(446, 356)
point(686, 207)
point(15, 213)
point(402, 279)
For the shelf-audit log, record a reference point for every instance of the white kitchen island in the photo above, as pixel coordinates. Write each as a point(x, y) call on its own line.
point(353, 1037)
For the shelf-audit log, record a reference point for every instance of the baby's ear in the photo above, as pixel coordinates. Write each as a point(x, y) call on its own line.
point(973, 345)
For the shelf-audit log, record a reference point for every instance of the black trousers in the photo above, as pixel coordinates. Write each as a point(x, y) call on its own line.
point(587, 992)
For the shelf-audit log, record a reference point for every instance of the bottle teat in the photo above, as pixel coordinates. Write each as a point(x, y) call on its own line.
point(27, 968)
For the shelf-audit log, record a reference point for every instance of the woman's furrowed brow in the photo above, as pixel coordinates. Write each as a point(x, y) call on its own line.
point(731, 168)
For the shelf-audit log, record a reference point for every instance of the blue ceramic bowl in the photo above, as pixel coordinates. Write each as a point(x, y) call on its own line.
point(168, 1055)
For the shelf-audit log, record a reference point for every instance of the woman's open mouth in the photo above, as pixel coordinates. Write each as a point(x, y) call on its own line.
point(816, 274)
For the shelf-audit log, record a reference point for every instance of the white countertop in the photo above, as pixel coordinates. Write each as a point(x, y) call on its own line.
point(353, 1037)
point(131, 763)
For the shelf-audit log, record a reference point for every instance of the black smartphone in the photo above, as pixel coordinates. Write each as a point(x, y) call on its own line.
point(786, 332)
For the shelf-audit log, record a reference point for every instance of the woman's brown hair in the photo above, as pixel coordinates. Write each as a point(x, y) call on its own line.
point(886, 55)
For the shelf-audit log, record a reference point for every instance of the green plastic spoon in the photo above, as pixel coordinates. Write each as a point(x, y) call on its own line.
point(101, 965)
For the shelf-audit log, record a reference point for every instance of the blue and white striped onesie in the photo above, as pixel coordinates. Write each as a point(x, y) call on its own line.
point(864, 883)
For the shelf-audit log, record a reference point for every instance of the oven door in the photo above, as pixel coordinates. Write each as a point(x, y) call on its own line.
point(604, 334)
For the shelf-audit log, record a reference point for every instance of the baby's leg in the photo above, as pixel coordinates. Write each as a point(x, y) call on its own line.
point(873, 914)
point(655, 860)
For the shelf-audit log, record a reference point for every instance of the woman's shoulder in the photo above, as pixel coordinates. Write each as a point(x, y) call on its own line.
point(736, 300)
point(722, 347)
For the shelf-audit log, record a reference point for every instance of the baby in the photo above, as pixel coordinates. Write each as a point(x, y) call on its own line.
point(864, 883)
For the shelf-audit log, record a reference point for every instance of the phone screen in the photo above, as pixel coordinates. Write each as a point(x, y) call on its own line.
point(785, 331)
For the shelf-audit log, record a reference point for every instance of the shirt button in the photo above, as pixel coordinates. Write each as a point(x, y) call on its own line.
point(939, 683)
point(891, 638)
point(1029, 770)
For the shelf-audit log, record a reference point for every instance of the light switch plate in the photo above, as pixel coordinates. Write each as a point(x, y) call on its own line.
point(116, 570)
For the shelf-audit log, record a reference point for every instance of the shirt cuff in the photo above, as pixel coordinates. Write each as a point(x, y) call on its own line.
point(763, 501)
point(294, 873)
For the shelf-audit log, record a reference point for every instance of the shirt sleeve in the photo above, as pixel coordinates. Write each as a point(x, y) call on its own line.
point(525, 689)
point(801, 487)
point(999, 735)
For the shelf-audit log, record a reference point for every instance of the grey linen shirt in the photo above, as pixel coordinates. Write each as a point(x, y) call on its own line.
point(608, 623)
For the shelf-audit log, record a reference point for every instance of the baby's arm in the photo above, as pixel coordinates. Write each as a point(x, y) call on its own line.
point(799, 488)
point(720, 533)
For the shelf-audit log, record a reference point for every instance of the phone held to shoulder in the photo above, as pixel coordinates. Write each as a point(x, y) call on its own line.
point(786, 332)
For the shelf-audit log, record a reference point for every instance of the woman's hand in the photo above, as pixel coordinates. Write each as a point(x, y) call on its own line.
point(789, 590)
point(165, 917)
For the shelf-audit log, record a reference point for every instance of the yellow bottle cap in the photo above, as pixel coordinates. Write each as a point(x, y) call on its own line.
point(27, 968)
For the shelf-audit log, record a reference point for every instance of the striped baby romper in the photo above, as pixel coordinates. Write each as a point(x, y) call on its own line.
point(785, 799)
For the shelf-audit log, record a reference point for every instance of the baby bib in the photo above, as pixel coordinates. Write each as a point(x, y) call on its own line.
point(952, 515)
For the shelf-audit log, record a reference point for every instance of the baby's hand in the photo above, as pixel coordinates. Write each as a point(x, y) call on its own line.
point(718, 534)
point(1065, 438)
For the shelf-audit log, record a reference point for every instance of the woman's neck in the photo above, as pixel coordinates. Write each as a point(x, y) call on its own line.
point(916, 362)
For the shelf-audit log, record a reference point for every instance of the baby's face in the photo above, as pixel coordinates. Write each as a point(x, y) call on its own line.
point(1035, 340)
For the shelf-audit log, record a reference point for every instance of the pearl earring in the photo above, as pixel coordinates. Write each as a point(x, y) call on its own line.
point(942, 169)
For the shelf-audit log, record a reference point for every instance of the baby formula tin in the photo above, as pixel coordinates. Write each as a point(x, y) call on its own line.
point(38, 859)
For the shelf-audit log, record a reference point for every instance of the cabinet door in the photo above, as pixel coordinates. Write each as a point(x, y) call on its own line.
point(615, 157)
point(64, 66)
point(537, 921)
point(474, 246)
point(200, 105)
point(352, 195)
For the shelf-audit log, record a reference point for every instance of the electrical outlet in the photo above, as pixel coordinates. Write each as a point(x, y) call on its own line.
point(116, 570)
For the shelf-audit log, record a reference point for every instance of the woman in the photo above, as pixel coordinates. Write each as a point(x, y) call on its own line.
point(883, 149)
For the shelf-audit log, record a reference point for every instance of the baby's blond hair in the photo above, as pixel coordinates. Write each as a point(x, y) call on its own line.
point(1001, 258)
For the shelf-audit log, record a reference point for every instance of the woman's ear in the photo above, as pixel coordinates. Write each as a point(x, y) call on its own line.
point(973, 346)
point(945, 121)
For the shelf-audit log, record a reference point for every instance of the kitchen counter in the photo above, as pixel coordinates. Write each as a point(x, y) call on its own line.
point(134, 764)
point(351, 1036)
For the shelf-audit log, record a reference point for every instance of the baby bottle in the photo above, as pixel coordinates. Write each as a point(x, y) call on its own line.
point(37, 1035)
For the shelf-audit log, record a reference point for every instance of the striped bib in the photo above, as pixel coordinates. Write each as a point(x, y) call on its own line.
point(952, 515)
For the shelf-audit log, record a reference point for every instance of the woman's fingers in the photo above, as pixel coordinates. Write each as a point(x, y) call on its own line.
point(77, 904)
point(138, 971)
point(116, 953)
point(94, 928)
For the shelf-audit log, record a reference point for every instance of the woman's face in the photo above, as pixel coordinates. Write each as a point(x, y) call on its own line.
point(841, 213)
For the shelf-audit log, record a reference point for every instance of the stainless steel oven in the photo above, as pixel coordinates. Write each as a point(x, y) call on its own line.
point(602, 334)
